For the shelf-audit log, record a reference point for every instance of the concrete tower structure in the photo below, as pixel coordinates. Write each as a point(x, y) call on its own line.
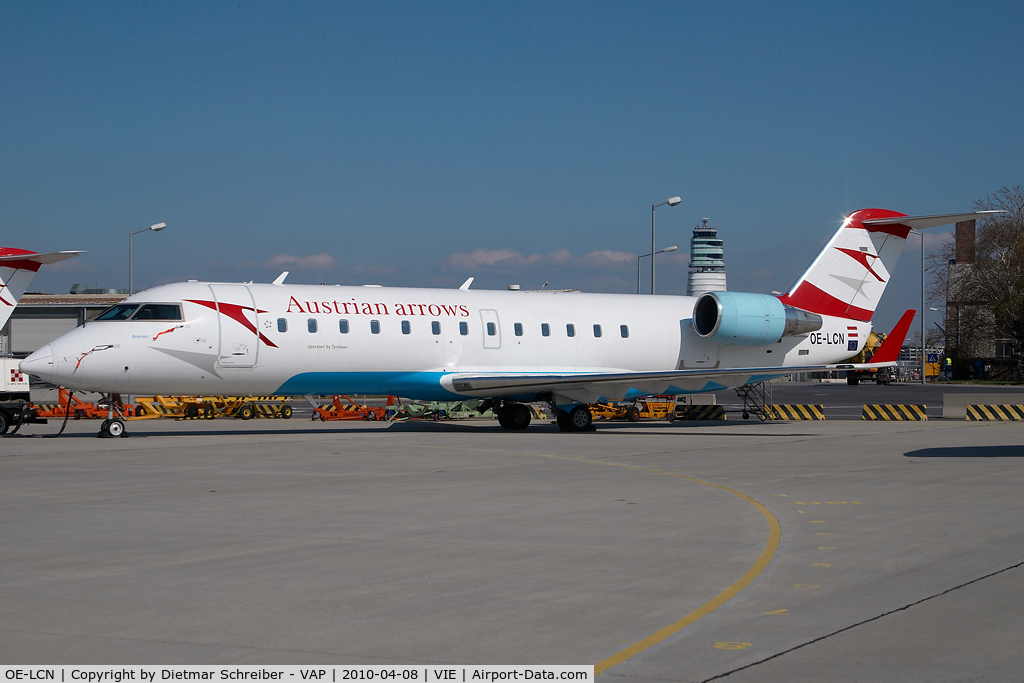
point(707, 264)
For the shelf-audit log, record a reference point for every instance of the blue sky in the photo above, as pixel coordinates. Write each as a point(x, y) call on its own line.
point(420, 144)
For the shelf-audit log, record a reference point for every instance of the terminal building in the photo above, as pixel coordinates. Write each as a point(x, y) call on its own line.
point(707, 261)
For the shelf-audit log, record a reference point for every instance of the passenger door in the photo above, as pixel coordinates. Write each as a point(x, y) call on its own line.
point(239, 336)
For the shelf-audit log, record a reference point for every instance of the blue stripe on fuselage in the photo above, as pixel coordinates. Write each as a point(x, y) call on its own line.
point(419, 385)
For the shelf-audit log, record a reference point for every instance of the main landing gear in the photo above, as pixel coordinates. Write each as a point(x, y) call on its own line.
point(514, 416)
point(579, 419)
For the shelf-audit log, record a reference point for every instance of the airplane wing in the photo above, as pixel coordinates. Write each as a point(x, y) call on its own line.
point(43, 259)
point(648, 382)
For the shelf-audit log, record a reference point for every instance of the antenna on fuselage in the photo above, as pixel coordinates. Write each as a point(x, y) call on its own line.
point(466, 284)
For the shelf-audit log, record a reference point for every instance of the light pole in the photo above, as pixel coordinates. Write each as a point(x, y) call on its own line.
point(156, 227)
point(661, 251)
point(924, 357)
point(671, 201)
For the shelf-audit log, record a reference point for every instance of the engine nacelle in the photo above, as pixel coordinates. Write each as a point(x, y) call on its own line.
point(746, 319)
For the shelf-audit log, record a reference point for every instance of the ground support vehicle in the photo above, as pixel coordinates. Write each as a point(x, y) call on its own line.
point(644, 409)
point(879, 376)
point(69, 405)
point(352, 411)
point(210, 407)
point(14, 384)
point(15, 413)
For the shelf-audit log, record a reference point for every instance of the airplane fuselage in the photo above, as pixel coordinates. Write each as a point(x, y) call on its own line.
point(262, 339)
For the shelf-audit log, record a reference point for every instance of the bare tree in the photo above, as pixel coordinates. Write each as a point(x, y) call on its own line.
point(985, 299)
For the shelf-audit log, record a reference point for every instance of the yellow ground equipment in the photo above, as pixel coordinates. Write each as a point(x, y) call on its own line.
point(633, 411)
point(209, 407)
point(879, 376)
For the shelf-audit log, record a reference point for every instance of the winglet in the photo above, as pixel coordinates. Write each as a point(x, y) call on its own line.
point(280, 278)
point(466, 284)
point(889, 351)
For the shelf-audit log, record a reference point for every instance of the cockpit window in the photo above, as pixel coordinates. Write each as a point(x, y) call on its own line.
point(158, 312)
point(118, 312)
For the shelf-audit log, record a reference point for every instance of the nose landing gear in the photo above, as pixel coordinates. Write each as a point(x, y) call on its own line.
point(113, 426)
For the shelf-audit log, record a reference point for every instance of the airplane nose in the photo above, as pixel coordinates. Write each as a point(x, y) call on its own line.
point(39, 364)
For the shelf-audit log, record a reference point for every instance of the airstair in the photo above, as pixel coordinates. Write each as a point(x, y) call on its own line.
point(757, 400)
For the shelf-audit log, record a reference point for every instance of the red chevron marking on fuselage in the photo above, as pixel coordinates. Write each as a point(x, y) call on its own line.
point(236, 313)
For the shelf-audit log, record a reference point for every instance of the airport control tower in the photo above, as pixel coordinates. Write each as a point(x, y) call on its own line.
point(707, 264)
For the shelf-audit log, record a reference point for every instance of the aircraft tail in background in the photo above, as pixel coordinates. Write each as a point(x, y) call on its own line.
point(17, 268)
point(848, 277)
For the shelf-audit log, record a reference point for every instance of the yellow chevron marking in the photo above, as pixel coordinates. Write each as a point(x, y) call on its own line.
point(897, 412)
point(1001, 413)
point(798, 412)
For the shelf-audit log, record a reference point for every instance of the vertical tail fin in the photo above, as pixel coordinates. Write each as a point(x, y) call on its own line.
point(17, 268)
point(849, 275)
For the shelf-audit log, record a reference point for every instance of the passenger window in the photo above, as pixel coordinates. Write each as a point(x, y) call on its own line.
point(545, 330)
point(435, 327)
point(282, 325)
point(118, 312)
point(158, 312)
point(597, 330)
point(624, 331)
point(375, 327)
point(311, 325)
point(406, 329)
point(463, 329)
point(343, 326)
point(570, 330)
point(492, 329)
point(519, 329)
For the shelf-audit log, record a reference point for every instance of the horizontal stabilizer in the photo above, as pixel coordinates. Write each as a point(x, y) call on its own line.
point(925, 222)
point(11, 260)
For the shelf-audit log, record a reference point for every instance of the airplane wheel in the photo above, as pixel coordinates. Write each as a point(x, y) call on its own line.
point(115, 428)
point(562, 418)
point(286, 412)
point(515, 416)
point(580, 418)
point(632, 414)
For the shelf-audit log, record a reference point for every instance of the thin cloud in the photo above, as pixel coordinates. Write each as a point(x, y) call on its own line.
point(505, 259)
point(313, 262)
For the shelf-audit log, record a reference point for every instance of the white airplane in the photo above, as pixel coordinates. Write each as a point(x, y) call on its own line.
point(17, 268)
point(569, 349)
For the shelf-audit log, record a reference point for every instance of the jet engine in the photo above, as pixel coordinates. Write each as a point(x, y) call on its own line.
point(746, 319)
